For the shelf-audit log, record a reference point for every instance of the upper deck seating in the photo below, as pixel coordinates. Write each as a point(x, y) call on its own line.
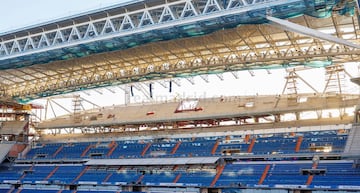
point(279, 143)
point(128, 149)
point(197, 147)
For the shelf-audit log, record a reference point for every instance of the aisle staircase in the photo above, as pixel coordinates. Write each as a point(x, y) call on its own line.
point(352, 147)
point(264, 174)
point(219, 170)
point(4, 150)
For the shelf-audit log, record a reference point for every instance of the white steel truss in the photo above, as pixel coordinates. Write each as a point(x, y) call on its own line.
point(131, 22)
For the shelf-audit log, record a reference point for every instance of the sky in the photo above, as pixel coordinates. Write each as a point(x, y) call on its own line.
point(16, 14)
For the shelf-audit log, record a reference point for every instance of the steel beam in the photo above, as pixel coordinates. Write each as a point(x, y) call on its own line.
point(181, 12)
point(286, 25)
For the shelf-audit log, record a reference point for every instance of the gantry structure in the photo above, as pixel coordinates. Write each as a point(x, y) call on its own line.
point(164, 39)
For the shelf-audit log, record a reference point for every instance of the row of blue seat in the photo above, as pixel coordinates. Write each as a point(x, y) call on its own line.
point(191, 147)
point(248, 173)
point(57, 191)
point(335, 174)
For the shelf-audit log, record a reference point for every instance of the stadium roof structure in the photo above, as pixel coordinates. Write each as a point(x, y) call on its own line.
point(158, 39)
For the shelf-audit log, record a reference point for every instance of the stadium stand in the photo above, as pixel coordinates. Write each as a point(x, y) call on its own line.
point(278, 143)
point(213, 161)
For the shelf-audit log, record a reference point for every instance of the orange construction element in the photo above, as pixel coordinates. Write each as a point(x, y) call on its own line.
point(16, 149)
point(112, 148)
point(213, 151)
point(176, 147)
point(219, 170)
point(23, 176)
point(86, 150)
point(140, 178)
point(58, 150)
point(264, 174)
point(309, 180)
point(107, 177)
point(251, 146)
point(298, 143)
point(81, 173)
point(177, 178)
point(247, 138)
point(52, 173)
point(145, 149)
point(19, 190)
point(311, 177)
point(11, 190)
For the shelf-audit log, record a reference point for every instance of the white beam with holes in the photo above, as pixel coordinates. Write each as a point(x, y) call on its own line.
point(59, 38)
point(287, 25)
point(166, 15)
point(91, 31)
point(43, 42)
point(220, 76)
point(176, 81)
point(146, 19)
point(205, 77)
point(163, 83)
point(235, 74)
point(142, 88)
point(188, 10)
point(191, 80)
point(15, 47)
point(211, 6)
point(180, 12)
point(3, 49)
point(29, 44)
point(108, 27)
